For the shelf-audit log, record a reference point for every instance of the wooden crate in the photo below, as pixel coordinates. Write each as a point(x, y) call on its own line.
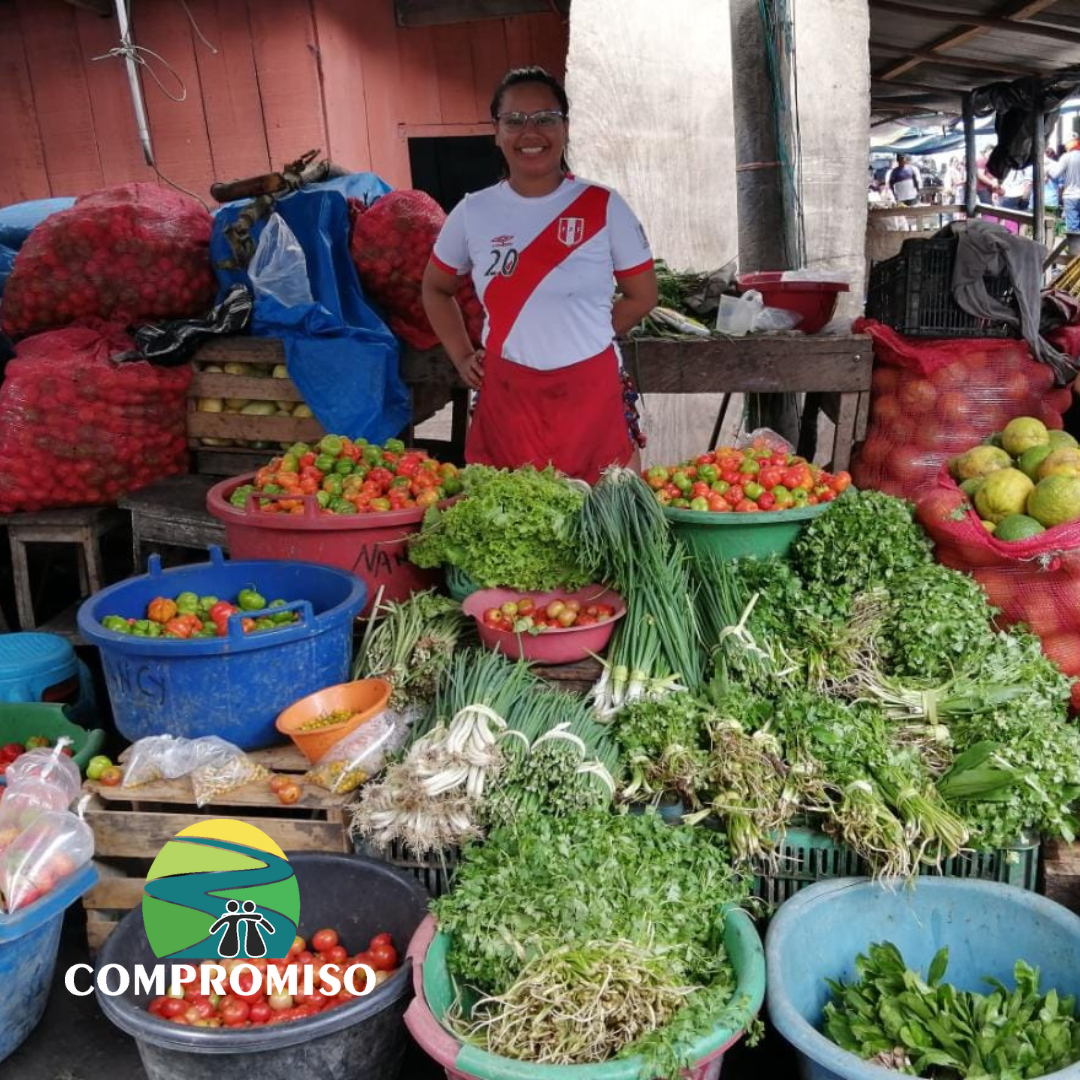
point(234, 427)
point(132, 825)
point(1061, 873)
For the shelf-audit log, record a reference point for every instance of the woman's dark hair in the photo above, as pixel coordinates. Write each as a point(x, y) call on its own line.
point(516, 77)
point(529, 75)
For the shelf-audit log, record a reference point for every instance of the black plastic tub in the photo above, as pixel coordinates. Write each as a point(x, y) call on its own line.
point(367, 1038)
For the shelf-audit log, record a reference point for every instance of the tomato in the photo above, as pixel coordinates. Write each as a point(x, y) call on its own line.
point(747, 506)
point(322, 940)
point(381, 939)
point(171, 1007)
point(573, 605)
point(767, 500)
point(289, 794)
point(278, 781)
point(526, 606)
point(111, 777)
point(586, 620)
point(841, 482)
point(337, 954)
point(734, 495)
point(604, 611)
point(235, 1013)
point(567, 617)
point(384, 957)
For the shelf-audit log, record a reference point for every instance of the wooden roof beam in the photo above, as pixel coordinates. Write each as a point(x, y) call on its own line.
point(103, 8)
point(906, 84)
point(950, 61)
point(1016, 23)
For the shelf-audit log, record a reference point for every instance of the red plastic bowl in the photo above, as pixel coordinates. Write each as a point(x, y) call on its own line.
point(815, 301)
point(550, 646)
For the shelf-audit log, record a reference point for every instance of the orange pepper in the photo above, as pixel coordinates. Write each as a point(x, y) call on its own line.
point(180, 627)
point(161, 610)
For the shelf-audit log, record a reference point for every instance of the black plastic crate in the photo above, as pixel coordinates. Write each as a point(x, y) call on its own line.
point(912, 293)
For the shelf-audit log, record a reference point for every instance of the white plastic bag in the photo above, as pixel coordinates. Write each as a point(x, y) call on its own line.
point(48, 766)
point(362, 753)
point(738, 315)
point(215, 766)
point(278, 268)
point(51, 848)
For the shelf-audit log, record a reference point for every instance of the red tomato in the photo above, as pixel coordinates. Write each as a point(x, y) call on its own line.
point(380, 939)
point(384, 957)
point(734, 495)
point(586, 620)
point(766, 500)
point(747, 506)
point(324, 940)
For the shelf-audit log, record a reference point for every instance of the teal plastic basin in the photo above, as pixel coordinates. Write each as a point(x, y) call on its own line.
point(737, 536)
point(987, 927)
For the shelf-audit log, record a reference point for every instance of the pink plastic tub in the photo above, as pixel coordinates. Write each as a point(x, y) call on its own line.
point(815, 301)
point(550, 646)
point(372, 546)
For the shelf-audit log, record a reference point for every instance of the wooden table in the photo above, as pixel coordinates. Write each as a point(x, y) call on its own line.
point(172, 511)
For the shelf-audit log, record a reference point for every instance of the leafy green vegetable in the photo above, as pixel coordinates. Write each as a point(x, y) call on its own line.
point(512, 528)
point(940, 622)
point(866, 539)
point(893, 1017)
point(595, 879)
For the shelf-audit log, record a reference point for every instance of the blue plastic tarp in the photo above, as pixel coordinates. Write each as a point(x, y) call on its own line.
point(7, 261)
point(17, 220)
point(339, 352)
point(365, 186)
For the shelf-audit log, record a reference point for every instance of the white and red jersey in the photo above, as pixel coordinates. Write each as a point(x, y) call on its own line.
point(561, 316)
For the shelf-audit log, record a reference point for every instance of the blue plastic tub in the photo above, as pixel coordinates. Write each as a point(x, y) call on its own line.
point(29, 942)
point(232, 686)
point(987, 927)
point(35, 666)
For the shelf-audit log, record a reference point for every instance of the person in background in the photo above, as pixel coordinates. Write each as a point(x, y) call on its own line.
point(1051, 183)
point(1066, 170)
point(1016, 189)
point(904, 182)
point(986, 184)
point(545, 250)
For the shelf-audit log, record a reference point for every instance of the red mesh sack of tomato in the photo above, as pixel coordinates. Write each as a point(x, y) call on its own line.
point(130, 254)
point(933, 399)
point(78, 428)
point(1034, 581)
point(392, 241)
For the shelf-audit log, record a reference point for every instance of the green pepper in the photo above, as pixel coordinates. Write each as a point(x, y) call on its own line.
point(282, 617)
point(400, 482)
point(250, 600)
point(749, 467)
point(264, 622)
point(323, 499)
point(331, 444)
point(343, 466)
point(699, 503)
point(187, 603)
point(207, 602)
point(208, 630)
point(116, 623)
point(373, 455)
point(682, 481)
point(325, 463)
point(753, 489)
point(146, 628)
point(395, 446)
point(452, 486)
point(342, 506)
point(332, 483)
point(707, 473)
point(299, 449)
point(289, 463)
point(721, 487)
point(239, 497)
point(273, 489)
point(682, 504)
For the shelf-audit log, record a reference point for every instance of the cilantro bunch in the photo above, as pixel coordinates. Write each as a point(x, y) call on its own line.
point(512, 528)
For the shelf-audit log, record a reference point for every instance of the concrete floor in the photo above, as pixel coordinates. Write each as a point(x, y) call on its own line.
point(75, 1041)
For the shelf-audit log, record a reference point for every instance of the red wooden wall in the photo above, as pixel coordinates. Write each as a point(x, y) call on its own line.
point(288, 76)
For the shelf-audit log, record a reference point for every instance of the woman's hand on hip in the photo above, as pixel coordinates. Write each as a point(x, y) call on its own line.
point(471, 369)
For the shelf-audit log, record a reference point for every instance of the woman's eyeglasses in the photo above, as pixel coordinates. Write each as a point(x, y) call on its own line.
point(544, 119)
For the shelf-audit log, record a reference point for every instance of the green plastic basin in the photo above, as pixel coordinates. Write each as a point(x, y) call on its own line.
point(19, 721)
point(736, 536)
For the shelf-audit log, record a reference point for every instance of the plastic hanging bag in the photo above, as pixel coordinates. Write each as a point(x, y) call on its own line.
point(738, 315)
point(46, 766)
point(50, 849)
point(215, 766)
point(361, 754)
point(279, 267)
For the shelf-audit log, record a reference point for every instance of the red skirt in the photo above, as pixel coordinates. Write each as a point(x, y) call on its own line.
point(573, 417)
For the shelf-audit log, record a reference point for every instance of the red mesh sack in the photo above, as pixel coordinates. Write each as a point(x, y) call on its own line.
point(392, 241)
point(77, 429)
point(130, 254)
point(933, 399)
point(1034, 581)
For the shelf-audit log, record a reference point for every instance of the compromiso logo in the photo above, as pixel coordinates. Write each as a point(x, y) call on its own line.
point(221, 890)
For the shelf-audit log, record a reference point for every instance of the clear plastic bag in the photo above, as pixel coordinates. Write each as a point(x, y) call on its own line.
point(51, 848)
point(747, 313)
point(46, 766)
point(279, 267)
point(215, 766)
point(361, 754)
point(764, 437)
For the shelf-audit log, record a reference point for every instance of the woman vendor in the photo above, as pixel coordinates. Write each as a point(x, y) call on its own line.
point(545, 250)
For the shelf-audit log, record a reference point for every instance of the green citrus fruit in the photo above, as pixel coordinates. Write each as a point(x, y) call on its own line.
point(1022, 434)
point(981, 461)
point(1063, 462)
point(1002, 493)
point(969, 487)
point(1060, 439)
point(1018, 527)
point(1055, 500)
point(1031, 459)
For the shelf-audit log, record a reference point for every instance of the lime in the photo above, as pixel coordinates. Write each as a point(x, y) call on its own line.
point(1060, 439)
point(969, 487)
point(1031, 459)
point(1018, 527)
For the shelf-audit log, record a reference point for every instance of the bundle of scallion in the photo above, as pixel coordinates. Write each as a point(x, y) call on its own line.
point(409, 644)
point(624, 539)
